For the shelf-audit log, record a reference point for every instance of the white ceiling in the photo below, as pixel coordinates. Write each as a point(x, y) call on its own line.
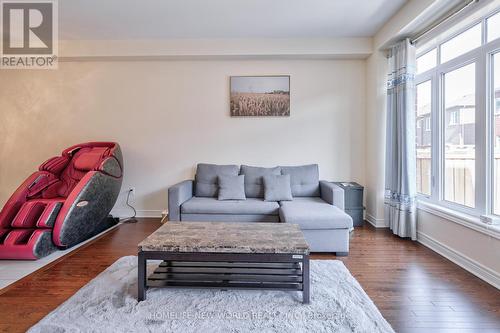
point(160, 19)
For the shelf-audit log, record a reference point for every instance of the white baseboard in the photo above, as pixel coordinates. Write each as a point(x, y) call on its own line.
point(479, 270)
point(124, 213)
point(377, 223)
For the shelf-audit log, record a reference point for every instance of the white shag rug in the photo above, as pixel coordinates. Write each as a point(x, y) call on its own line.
point(108, 303)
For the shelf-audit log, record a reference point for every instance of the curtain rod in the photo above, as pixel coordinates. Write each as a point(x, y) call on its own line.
point(458, 9)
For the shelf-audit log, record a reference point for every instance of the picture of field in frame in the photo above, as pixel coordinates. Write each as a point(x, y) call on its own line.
point(260, 96)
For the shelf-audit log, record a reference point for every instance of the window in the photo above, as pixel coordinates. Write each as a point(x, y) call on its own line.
point(459, 138)
point(493, 26)
point(427, 124)
point(423, 136)
point(454, 116)
point(427, 61)
point(462, 43)
point(496, 133)
point(458, 101)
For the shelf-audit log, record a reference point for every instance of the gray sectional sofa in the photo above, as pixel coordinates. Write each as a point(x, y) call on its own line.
point(317, 206)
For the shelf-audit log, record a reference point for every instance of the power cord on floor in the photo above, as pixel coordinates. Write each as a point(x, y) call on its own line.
point(131, 219)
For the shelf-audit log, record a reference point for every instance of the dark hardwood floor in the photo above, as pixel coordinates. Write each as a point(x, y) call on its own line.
point(416, 289)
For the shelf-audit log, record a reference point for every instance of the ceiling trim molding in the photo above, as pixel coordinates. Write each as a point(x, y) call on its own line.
point(307, 48)
point(210, 57)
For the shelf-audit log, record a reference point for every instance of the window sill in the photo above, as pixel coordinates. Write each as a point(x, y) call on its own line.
point(466, 220)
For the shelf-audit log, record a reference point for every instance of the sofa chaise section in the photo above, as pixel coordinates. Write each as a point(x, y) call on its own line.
point(324, 225)
point(314, 214)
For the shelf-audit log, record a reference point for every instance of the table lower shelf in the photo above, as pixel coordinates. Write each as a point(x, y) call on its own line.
point(228, 275)
point(226, 271)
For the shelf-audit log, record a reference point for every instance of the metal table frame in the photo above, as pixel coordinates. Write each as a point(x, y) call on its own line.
point(271, 271)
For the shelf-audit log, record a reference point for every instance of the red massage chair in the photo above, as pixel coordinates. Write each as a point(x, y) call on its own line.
point(64, 203)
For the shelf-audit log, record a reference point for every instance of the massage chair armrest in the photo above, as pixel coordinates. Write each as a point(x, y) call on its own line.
point(85, 208)
point(177, 195)
point(331, 193)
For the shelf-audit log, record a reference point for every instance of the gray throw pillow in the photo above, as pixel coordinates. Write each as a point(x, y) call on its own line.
point(206, 178)
point(277, 188)
point(232, 187)
point(254, 185)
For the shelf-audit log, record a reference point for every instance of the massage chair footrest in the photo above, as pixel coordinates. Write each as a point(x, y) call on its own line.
point(27, 244)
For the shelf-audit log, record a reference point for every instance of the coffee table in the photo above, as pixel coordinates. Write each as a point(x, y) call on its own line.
point(226, 256)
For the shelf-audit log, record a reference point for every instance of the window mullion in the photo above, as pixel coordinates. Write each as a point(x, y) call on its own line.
point(490, 133)
point(481, 134)
point(437, 144)
point(436, 137)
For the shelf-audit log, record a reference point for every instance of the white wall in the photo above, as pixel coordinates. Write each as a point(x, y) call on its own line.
point(170, 115)
point(476, 251)
point(376, 69)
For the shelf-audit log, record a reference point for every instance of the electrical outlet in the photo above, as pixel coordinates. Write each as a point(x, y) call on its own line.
point(131, 189)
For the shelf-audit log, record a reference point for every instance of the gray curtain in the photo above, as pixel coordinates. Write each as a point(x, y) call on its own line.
point(400, 177)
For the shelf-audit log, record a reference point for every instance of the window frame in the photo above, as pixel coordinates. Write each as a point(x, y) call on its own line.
point(484, 119)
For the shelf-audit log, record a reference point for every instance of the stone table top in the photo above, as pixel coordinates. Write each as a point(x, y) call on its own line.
point(220, 237)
